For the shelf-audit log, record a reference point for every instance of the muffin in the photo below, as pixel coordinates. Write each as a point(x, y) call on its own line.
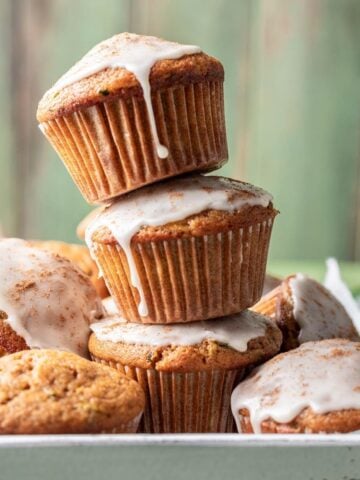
point(305, 311)
point(81, 228)
point(312, 389)
point(187, 371)
point(191, 248)
point(78, 254)
point(47, 392)
point(135, 110)
point(45, 300)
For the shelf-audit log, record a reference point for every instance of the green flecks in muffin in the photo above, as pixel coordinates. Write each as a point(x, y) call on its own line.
point(223, 344)
point(149, 357)
point(105, 92)
point(56, 94)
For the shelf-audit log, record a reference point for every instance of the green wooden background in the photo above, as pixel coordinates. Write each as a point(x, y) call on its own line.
point(292, 105)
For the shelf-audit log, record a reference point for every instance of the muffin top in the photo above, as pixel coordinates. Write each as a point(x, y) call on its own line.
point(317, 312)
point(230, 342)
point(81, 228)
point(192, 205)
point(80, 256)
point(45, 300)
point(294, 387)
point(126, 64)
point(76, 395)
point(306, 311)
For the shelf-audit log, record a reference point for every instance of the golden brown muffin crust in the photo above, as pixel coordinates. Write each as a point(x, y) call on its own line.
point(106, 84)
point(284, 317)
point(47, 391)
point(205, 223)
point(207, 355)
point(342, 421)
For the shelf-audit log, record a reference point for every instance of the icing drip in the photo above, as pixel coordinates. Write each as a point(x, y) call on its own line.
point(110, 306)
point(318, 312)
point(47, 300)
point(324, 376)
point(234, 331)
point(163, 203)
point(137, 54)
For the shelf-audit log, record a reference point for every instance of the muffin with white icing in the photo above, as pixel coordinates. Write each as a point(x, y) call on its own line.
point(187, 371)
point(135, 110)
point(312, 389)
point(305, 311)
point(80, 256)
point(82, 226)
point(45, 300)
point(187, 249)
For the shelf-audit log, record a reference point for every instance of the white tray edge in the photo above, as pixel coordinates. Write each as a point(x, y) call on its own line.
point(198, 440)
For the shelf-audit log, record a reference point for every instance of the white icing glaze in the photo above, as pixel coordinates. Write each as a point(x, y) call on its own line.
point(168, 202)
point(48, 301)
point(110, 306)
point(318, 312)
point(340, 290)
point(324, 376)
point(137, 54)
point(235, 331)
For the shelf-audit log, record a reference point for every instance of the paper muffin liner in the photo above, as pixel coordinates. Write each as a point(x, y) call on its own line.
point(267, 305)
point(189, 278)
point(108, 147)
point(192, 402)
point(130, 427)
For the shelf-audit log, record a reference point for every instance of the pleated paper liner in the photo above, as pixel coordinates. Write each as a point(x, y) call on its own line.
point(193, 402)
point(267, 305)
point(108, 147)
point(192, 278)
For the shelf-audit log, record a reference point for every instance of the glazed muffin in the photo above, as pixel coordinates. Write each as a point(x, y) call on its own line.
point(191, 248)
point(80, 255)
point(312, 389)
point(187, 371)
point(305, 311)
point(81, 228)
point(45, 300)
point(135, 110)
point(75, 395)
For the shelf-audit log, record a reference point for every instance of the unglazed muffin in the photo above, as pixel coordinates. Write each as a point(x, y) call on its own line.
point(187, 371)
point(78, 254)
point(135, 110)
point(47, 392)
point(312, 389)
point(45, 300)
point(305, 311)
point(187, 249)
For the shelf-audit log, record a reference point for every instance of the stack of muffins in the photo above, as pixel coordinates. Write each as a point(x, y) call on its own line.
point(137, 122)
point(183, 257)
